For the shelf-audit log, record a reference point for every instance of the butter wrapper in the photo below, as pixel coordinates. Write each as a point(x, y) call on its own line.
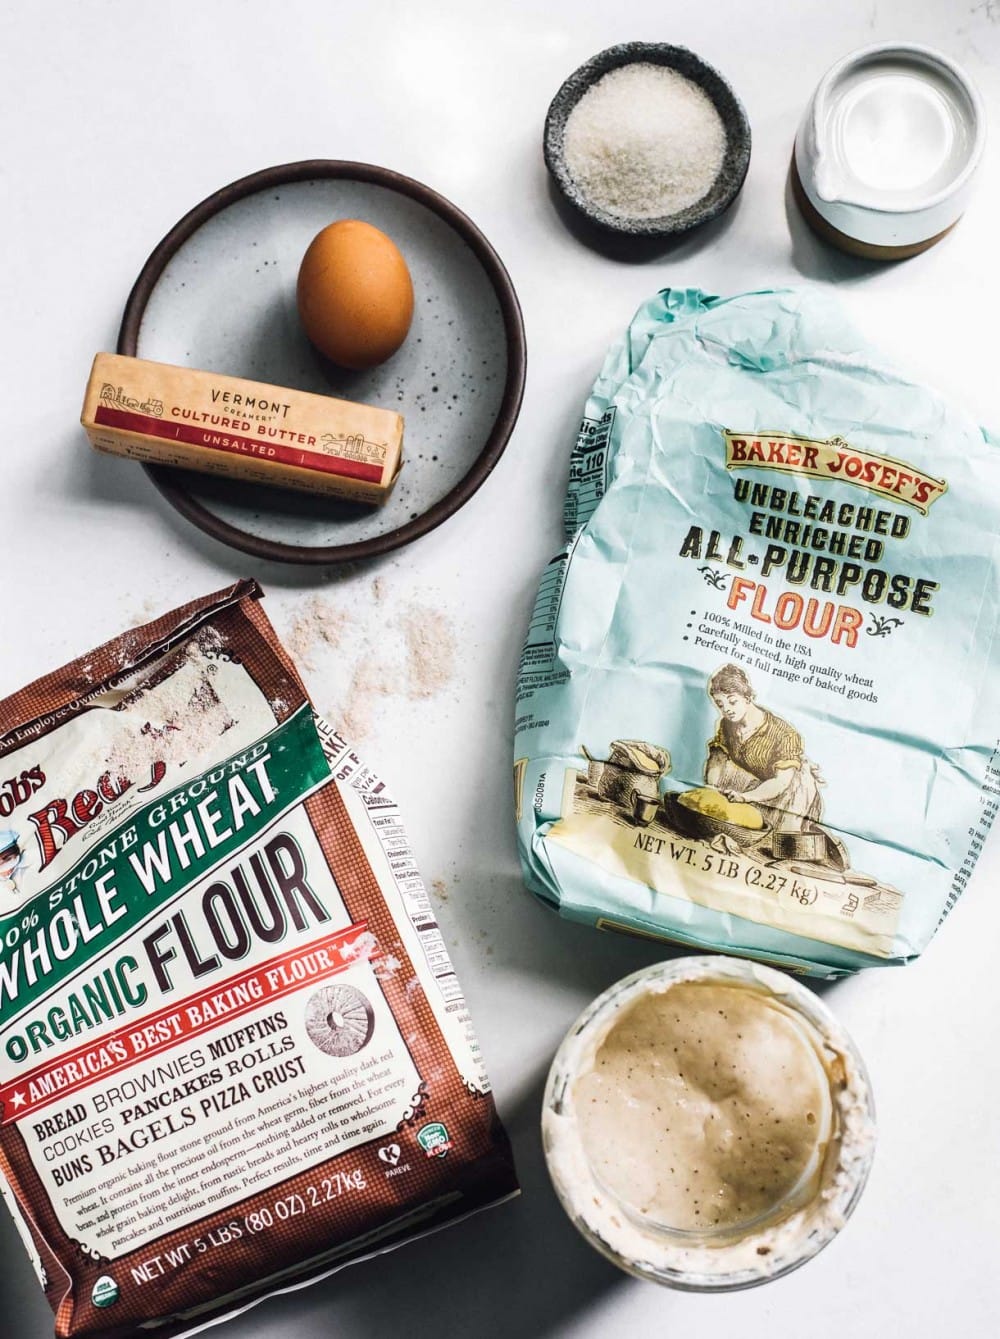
point(215, 424)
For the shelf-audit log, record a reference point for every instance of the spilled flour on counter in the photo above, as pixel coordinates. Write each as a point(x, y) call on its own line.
point(318, 624)
point(368, 656)
point(430, 649)
point(145, 614)
point(357, 713)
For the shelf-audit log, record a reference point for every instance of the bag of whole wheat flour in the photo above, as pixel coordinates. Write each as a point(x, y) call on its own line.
point(233, 1052)
point(759, 701)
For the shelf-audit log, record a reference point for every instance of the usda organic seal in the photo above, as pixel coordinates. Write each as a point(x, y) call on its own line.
point(105, 1291)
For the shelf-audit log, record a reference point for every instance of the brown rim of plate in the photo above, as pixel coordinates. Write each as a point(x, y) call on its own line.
point(166, 479)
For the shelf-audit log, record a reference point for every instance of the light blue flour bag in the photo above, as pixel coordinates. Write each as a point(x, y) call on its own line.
point(758, 705)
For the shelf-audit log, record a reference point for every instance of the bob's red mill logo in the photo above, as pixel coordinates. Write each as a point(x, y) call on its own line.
point(833, 459)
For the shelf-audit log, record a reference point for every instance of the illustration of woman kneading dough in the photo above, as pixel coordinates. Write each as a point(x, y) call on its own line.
point(757, 758)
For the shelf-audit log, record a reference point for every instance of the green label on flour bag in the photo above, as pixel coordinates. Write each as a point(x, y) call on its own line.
point(759, 701)
point(162, 848)
point(433, 1139)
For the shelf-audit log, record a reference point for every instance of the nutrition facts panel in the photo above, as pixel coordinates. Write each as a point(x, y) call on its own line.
point(392, 837)
point(387, 825)
point(587, 470)
point(540, 644)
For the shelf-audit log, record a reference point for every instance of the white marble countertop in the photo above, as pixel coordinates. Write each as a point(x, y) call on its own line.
point(121, 114)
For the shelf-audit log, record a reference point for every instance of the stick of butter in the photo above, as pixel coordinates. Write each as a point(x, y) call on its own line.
point(203, 421)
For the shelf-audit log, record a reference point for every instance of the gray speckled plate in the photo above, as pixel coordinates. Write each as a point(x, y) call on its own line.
point(218, 293)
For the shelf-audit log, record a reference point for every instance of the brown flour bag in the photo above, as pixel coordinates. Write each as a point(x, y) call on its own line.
point(233, 1051)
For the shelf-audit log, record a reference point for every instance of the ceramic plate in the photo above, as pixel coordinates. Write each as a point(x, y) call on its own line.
point(218, 293)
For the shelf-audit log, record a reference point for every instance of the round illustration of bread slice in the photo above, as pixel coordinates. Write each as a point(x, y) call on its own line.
point(339, 1020)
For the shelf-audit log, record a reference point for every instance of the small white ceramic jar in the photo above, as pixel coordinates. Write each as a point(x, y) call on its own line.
point(708, 1124)
point(887, 151)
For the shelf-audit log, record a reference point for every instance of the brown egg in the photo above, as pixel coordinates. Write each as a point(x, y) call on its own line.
point(355, 294)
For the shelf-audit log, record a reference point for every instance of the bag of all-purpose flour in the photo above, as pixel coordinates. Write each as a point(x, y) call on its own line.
point(759, 701)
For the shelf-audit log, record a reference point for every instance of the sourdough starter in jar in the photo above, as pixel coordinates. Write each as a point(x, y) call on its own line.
point(708, 1124)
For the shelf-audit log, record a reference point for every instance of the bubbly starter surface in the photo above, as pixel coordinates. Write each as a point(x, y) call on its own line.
point(707, 1109)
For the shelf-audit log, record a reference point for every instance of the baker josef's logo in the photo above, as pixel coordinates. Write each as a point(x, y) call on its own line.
point(17, 790)
point(837, 460)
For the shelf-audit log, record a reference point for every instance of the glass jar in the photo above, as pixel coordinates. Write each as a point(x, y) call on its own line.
point(776, 1237)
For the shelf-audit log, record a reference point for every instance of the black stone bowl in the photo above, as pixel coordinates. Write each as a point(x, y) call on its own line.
point(731, 175)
